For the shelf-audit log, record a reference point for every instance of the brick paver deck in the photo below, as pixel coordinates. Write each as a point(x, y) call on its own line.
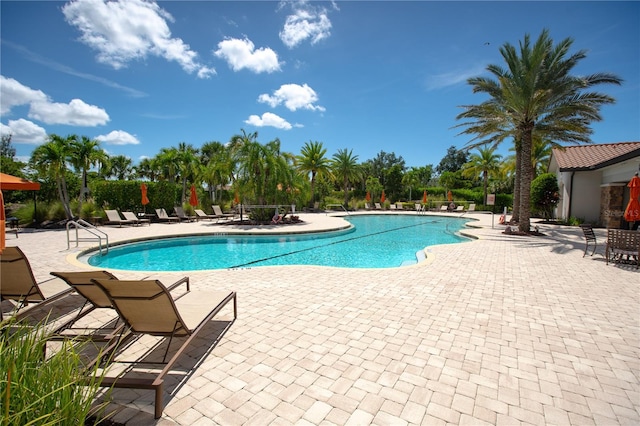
point(501, 330)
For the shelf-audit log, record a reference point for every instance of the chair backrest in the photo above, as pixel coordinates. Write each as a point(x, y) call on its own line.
point(443, 207)
point(472, 207)
point(83, 284)
point(217, 210)
point(180, 212)
point(400, 205)
point(367, 206)
point(145, 305)
point(200, 213)
point(587, 231)
point(378, 206)
point(162, 213)
point(460, 208)
point(130, 216)
point(113, 215)
point(16, 277)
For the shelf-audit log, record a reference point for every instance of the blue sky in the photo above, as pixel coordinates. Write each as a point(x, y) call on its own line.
point(367, 76)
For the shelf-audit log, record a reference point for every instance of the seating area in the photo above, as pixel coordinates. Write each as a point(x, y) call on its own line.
point(623, 246)
point(143, 307)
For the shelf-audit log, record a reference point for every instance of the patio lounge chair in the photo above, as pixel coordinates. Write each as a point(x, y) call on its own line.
point(200, 214)
point(217, 211)
point(182, 215)
point(472, 208)
point(419, 208)
point(164, 217)
point(460, 208)
point(378, 206)
point(18, 284)
point(113, 217)
point(147, 307)
point(444, 208)
point(131, 216)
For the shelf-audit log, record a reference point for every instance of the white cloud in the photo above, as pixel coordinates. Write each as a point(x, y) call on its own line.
point(268, 119)
point(118, 137)
point(306, 22)
point(122, 31)
point(294, 97)
point(452, 78)
point(13, 93)
point(75, 113)
point(241, 54)
point(24, 131)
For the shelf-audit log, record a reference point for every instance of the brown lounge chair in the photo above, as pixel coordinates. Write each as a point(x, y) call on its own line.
point(200, 214)
point(147, 307)
point(18, 284)
point(131, 216)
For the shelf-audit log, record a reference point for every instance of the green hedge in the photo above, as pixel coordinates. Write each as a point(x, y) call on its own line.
point(126, 195)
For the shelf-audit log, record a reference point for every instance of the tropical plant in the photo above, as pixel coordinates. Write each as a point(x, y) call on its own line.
point(218, 166)
point(51, 159)
point(536, 96)
point(483, 164)
point(312, 160)
point(345, 169)
point(85, 153)
point(119, 167)
point(56, 389)
point(544, 194)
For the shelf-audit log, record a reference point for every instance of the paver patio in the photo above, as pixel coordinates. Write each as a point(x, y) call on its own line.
point(500, 330)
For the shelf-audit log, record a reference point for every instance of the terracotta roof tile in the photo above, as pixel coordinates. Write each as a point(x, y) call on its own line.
point(589, 157)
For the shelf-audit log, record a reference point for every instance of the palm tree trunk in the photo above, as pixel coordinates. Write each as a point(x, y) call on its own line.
point(64, 197)
point(525, 181)
point(515, 217)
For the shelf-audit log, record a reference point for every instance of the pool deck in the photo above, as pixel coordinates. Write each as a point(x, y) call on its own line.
point(501, 330)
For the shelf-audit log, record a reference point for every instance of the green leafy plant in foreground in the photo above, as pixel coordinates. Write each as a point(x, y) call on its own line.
point(42, 388)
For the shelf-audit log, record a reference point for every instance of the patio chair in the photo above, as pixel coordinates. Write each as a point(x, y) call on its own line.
point(460, 208)
point(589, 238)
point(164, 217)
point(131, 216)
point(378, 206)
point(182, 215)
point(200, 214)
point(472, 208)
point(113, 217)
point(217, 211)
point(18, 284)
point(392, 206)
point(444, 208)
point(419, 208)
point(148, 308)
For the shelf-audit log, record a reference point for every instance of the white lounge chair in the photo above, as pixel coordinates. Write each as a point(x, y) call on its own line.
point(113, 217)
point(131, 216)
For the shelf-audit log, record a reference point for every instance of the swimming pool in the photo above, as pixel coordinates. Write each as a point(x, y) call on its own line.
point(374, 241)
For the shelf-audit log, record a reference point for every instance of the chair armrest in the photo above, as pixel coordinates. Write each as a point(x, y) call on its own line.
point(180, 281)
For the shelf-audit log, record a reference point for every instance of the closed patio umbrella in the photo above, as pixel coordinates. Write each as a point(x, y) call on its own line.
point(193, 199)
point(450, 196)
point(424, 197)
point(383, 197)
point(145, 199)
point(368, 197)
point(632, 212)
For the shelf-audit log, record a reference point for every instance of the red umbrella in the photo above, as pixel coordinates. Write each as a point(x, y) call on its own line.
point(424, 197)
point(368, 197)
point(383, 197)
point(143, 189)
point(193, 200)
point(632, 212)
point(450, 196)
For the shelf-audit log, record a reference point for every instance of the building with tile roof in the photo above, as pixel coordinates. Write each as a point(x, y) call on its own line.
point(593, 181)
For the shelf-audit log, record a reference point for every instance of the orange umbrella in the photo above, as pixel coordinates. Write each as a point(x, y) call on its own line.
point(2, 220)
point(424, 197)
point(382, 198)
point(632, 212)
point(236, 199)
point(368, 197)
point(450, 196)
point(143, 189)
point(193, 199)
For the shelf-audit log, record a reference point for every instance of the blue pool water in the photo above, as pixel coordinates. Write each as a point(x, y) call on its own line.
point(375, 241)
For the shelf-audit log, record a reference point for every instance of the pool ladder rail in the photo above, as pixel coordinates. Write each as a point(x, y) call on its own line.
point(97, 235)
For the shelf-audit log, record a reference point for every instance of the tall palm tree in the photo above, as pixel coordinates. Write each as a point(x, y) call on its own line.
point(218, 167)
point(344, 166)
point(312, 160)
point(483, 164)
point(188, 162)
point(85, 153)
point(536, 93)
point(51, 159)
point(120, 167)
point(167, 163)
